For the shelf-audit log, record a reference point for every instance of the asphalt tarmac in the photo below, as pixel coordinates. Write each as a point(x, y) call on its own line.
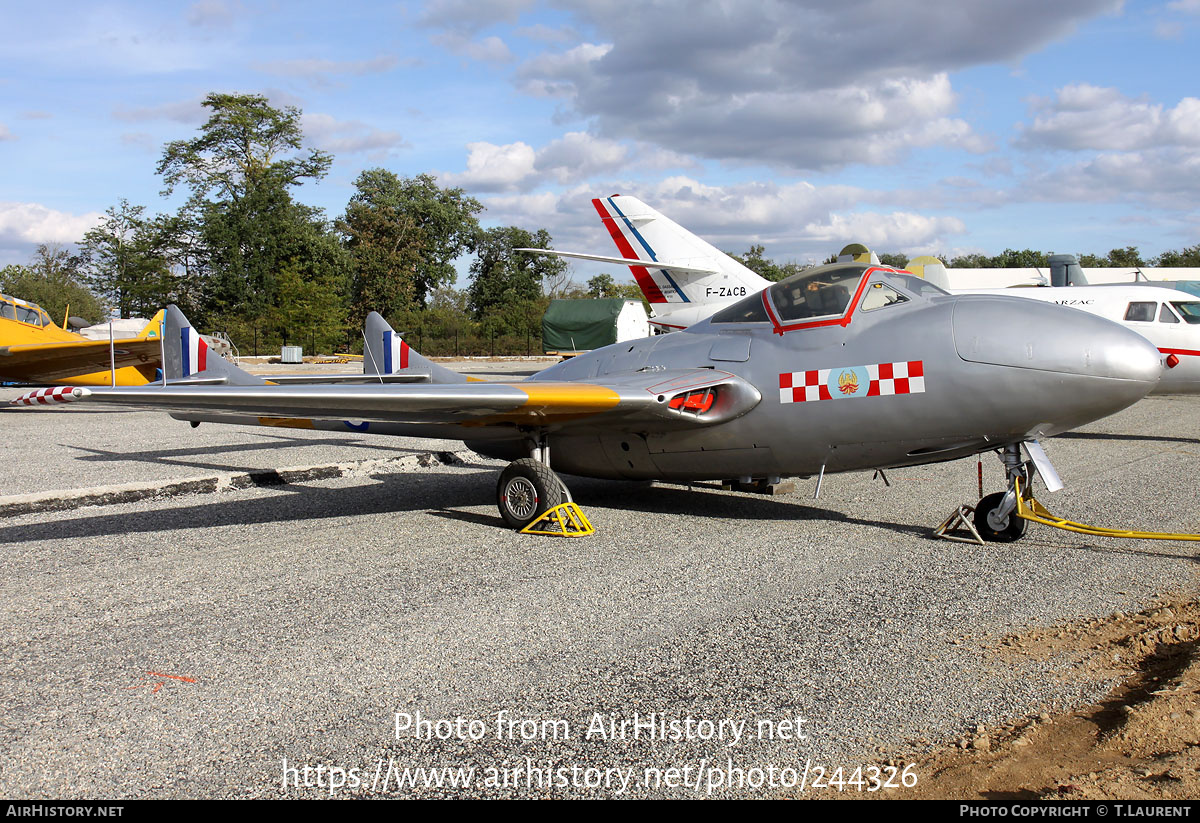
point(268, 641)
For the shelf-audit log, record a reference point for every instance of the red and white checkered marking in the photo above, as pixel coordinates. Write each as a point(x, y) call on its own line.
point(903, 377)
point(800, 386)
point(45, 397)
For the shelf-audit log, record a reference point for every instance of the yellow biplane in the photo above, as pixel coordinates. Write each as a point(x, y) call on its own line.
point(35, 350)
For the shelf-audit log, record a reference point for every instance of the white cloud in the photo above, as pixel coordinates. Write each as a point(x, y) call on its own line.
point(315, 68)
point(213, 14)
point(495, 168)
point(181, 111)
point(798, 85)
point(1086, 117)
point(488, 50)
point(1164, 179)
point(559, 75)
point(548, 34)
point(5, 134)
point(30, 224)
point(577, 156)
point(347, 136)
point(568, 160)
point(470, 16)
point(798, 221)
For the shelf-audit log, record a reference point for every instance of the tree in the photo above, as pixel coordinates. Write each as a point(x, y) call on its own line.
point(239, 150)
point(766, 268)
point(125, 263)
point(505, 281)
point(259, 250)
point(896, 261)
point(602, 285)
point(404, 234)
point(52, 280)
point(1128, 257)
point(1189, 256)
point(1008, 259)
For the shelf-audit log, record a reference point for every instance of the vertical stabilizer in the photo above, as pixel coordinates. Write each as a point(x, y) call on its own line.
point(187, 357)
point(641, 233)
point(386, 352)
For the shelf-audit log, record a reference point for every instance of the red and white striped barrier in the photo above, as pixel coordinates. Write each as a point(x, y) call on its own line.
point(45, 397)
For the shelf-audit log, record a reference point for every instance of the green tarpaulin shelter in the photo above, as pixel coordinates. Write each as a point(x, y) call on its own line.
point(583, 325)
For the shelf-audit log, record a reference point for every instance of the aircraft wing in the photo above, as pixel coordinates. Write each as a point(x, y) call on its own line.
point(661, 400)
point(49, 362)
point(624, 261)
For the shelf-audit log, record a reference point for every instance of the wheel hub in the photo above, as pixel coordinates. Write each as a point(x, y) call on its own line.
point(520, 497)
point(997, 523)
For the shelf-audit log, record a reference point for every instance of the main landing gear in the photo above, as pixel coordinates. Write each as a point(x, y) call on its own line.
point(533, 500)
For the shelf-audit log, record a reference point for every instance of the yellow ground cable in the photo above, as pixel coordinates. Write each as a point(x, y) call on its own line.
point(1034, 511)
point(568, 518)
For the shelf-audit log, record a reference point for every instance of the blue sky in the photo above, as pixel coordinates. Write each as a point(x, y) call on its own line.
point(917, 126)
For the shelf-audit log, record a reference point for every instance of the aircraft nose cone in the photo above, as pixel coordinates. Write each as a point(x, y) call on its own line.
point(1055, 367)
point(1027, 334)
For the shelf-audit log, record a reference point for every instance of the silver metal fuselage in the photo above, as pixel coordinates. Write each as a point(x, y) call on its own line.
point(995, 370)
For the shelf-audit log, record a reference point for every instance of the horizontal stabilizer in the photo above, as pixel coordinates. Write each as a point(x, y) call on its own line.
point(623, 261)
point(290, 379)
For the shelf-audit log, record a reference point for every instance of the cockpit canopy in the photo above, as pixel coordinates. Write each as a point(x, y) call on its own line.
point(14, 308)
point(825, 295)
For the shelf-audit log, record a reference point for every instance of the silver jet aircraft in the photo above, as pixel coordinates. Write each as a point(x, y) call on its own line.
point(845, 367)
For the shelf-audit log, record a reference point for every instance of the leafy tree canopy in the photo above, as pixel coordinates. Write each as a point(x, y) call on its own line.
point(244, 144)
point(404, 235)
point(502, 279)
point(52, 280)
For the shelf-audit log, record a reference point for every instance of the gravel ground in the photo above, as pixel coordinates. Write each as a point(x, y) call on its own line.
point(309, 615)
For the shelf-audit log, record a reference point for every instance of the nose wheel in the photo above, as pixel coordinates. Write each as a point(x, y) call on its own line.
point(993, 524)
point(995, 518)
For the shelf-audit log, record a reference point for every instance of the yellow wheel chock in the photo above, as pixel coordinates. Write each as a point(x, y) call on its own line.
point(1030, 509)
point(565, 520)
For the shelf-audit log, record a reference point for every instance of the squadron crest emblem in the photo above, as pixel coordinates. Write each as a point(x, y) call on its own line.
point(848, 382)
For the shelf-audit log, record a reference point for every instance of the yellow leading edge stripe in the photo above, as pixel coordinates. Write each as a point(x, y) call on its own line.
point(569, 397)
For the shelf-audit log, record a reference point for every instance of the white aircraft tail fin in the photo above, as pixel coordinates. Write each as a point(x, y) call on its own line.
point(386, 352)
point(689, 270)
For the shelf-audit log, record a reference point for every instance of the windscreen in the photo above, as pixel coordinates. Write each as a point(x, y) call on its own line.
point(1189, 310)
point(822, 292)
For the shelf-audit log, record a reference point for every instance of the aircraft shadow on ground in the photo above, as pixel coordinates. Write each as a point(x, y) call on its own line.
point(453, 495)
point(381, 494)
point(443, 495)
point(170, 457)
point(701, 501)
point(1146, 437)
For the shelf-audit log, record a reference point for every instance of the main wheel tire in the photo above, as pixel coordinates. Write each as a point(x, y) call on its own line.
point(993, 529)
point(527, 489)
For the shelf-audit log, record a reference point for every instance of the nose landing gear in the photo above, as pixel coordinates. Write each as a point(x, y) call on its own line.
point(995, 518)
point(995, 515)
